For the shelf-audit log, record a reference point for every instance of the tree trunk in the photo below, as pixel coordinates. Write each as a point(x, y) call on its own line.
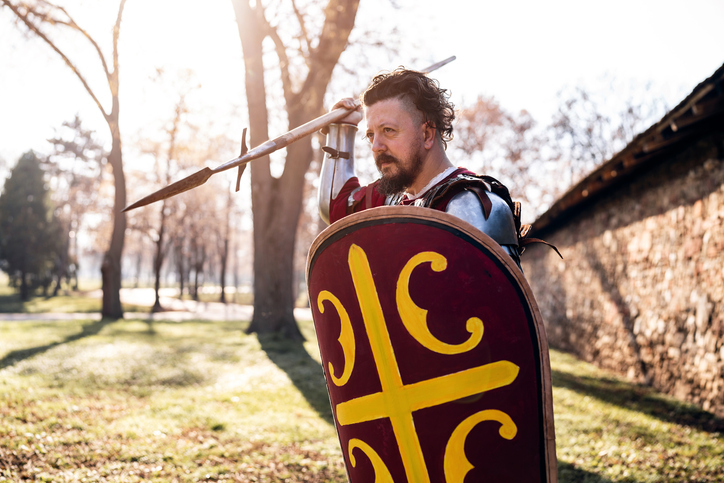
point(158, 259)
point(139, 263)
point(199, 261)
point(180, 270)
point(224, 258)
point(61, 264)
point(24, 289)
point(111, 266)
point(273, 237)
point(276, 215)
point(225, 248)
point(273, 257)
point(276, 203)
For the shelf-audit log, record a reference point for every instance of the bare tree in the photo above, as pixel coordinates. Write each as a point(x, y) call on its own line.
point(595, 122)
point(167, 206)
point(539, 163)
point(501, 144)
point(46, 19)
point(224, 238)
point(194, 230)
point(75, 167)
point(307, 48)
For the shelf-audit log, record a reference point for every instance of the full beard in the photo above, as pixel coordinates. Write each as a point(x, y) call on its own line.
point(392, 184)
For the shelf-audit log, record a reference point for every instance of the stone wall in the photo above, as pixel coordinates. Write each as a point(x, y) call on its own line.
point(641, 288)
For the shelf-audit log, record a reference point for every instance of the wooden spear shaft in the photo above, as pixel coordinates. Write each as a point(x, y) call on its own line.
point(200, 177)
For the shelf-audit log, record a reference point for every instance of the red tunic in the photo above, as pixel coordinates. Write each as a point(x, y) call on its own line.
point(368, 197)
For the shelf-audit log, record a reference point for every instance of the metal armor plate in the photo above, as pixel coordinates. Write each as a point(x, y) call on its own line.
point(434, 351)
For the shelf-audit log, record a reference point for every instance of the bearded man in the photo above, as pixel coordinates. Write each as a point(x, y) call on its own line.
point(409, 123)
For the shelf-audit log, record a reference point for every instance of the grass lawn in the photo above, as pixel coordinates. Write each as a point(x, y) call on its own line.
point(200, 401)
point(73, 302)
point(187, 401)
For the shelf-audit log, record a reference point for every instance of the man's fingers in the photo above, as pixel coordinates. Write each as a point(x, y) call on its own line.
point(347, 103)
point(353, 105)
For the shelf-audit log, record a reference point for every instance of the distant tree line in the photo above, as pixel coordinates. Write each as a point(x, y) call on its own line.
point(540, 162)
point(196, 237)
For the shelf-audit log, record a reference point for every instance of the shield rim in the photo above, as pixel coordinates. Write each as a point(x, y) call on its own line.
point(415, 214)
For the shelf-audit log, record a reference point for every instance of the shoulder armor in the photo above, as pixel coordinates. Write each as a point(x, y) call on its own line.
point(498, 225)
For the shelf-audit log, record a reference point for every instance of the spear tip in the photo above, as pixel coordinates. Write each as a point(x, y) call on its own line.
point(190, 182)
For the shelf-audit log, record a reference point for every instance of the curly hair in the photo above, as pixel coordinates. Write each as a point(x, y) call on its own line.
point(425, 93)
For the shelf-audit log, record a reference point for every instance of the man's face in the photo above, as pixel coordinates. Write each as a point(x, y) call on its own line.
point(396, 136)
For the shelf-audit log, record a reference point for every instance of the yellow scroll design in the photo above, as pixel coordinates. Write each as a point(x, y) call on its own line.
point(382, 474)
point(415, 318)
point(456, 464)
point(346, 337)
point(396, 400)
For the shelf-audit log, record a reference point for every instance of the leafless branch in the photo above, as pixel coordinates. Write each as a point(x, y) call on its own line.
point(281, 51)
point(304, 35)
point(29, 23)
point(116, 32)
point(72, 23)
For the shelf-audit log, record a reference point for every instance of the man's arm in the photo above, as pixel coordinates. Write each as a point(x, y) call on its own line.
point(337, 166)
point(338, 163)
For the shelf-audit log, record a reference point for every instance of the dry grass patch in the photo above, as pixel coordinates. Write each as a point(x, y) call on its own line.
point(137, 400)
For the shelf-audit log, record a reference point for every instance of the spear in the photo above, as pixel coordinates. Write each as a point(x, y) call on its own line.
point(200, 177)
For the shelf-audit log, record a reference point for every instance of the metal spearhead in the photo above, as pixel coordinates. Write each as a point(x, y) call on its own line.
point(190, 182)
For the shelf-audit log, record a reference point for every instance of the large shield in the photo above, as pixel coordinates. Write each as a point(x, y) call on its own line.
point(434, 351)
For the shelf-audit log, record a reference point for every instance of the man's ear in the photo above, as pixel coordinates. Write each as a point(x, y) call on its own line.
point(429, 132)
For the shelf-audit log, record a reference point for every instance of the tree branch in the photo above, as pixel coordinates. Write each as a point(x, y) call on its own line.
point(281, 54)
point(72, 24)
point(24, 18)
point(304, 34)
point(338, 23)
point(116, 32)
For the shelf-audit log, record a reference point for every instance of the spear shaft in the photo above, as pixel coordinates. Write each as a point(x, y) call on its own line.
point(200, 177)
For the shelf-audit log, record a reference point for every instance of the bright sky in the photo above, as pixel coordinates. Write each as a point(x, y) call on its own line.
point(522, 52)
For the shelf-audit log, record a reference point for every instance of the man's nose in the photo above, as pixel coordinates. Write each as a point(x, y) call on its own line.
point(377, 145)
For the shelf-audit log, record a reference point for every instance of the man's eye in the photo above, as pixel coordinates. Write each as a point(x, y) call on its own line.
point(389, 130)
point(369, 137)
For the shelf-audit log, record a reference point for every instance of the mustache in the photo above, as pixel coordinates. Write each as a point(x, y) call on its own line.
point(384, 158)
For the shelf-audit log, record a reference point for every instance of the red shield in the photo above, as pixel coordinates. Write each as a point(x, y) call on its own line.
point(434, 351)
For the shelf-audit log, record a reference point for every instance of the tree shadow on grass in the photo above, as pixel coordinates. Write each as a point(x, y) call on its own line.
point(569, 473)
point(151, 329)
point(640, 398)
point(305, 372)
point(88, 330)
point(11, 303)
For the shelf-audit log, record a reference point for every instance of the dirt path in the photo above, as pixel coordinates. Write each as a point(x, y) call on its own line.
point(175, 309)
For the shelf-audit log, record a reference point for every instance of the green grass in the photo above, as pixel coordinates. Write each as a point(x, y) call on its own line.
point(65, 302)
point(136, 400)
point(188, 401)
point(608, 429)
